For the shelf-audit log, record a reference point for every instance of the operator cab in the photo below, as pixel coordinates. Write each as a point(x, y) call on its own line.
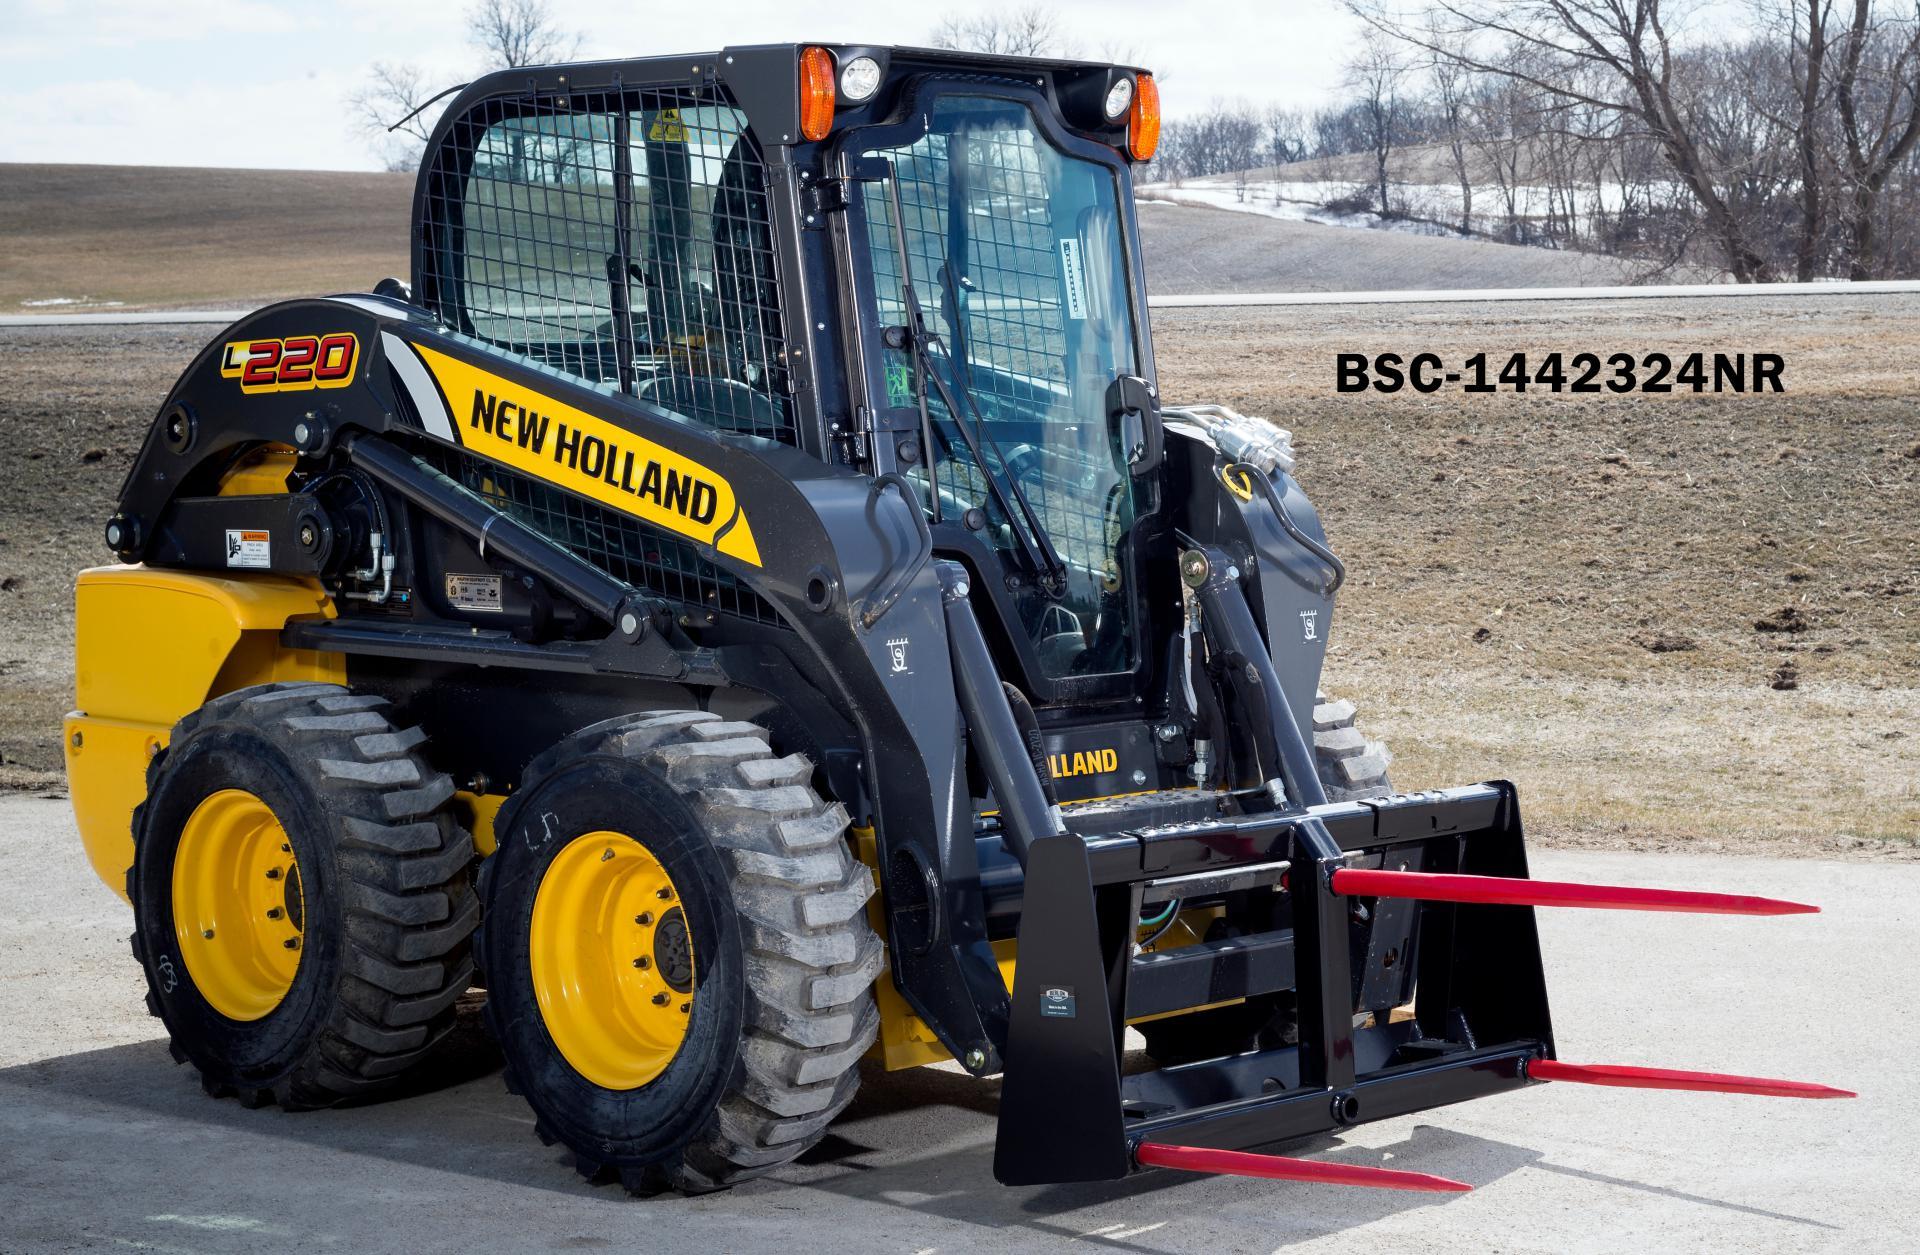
point(902, 261)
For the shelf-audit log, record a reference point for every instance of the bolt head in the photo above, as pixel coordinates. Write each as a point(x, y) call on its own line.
point(629, 624)
point(1193, 568)
point(113, 535)
point(976, 1058)
point(1139, 776)
point(300, 433)
point(661, 1000)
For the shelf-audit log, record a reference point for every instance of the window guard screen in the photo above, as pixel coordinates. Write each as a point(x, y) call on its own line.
point(622, 237)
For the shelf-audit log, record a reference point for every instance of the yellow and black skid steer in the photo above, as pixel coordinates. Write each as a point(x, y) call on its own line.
point(744, 602)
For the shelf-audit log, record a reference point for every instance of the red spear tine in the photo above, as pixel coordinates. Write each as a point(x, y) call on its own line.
point(1242, 1163)
point(1518, 891)
point(1666, 1078)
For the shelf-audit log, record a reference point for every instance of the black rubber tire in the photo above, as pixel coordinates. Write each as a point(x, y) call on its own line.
point(1349, 765)
point(387, 880)
point(783, 1005)
point(1350, 768)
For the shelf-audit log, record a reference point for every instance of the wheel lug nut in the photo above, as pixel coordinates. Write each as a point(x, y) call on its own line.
point(659, 1000)
point(685, 1007)
point(274, 912)
point(273, 873)
point(665, 894)
point(208, 934)
point(643, 963)
point(606, 855)
point(643, 918)
point(285, 848)
point(291, 943)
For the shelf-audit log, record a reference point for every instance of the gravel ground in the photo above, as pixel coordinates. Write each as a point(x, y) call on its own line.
point(106, 1144)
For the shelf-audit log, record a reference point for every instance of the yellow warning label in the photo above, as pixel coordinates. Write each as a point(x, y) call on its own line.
point(667, 129)
point(574, 450)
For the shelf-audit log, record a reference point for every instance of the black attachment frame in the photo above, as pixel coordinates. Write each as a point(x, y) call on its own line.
point(1479, 1013)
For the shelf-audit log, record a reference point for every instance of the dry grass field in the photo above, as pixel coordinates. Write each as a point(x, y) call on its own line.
point(157, 237)
point(1595, 596)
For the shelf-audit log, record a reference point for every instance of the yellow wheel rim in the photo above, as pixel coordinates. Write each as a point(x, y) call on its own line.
point(239, 910)
point(612, 960)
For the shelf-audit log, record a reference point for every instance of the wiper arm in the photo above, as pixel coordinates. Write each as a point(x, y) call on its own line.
point(1006, 490)
point(1019, 511)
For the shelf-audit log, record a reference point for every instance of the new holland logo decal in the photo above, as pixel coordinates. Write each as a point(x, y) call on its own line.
point(571, 449)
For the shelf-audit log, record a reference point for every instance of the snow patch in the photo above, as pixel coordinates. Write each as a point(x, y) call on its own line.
point(87, 301)
point(1292, 202)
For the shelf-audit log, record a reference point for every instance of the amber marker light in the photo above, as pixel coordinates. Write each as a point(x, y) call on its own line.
point(816, 93)
point(1143, 126)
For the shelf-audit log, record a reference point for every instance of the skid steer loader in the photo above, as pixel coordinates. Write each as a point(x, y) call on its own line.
point(745, 603)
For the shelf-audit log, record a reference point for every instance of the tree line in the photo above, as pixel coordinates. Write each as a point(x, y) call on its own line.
point(1782, 145)
point(1766, 139)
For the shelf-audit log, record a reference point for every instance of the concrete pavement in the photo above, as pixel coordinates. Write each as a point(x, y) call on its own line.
point(104, 1143)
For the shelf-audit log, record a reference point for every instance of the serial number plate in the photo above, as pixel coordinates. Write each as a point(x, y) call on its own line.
point(1562, 372)
point(474, 592)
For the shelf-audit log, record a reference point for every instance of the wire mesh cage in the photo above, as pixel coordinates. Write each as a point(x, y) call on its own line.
point(622, 237)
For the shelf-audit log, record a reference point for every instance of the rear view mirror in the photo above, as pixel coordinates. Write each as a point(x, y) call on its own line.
point(1133, 415)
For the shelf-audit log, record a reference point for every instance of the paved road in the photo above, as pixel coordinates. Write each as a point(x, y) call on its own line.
point(105, 1143)
point(1168, 300)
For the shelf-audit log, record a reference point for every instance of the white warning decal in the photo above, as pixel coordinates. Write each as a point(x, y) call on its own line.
point(1074, 275)
point(249, 549)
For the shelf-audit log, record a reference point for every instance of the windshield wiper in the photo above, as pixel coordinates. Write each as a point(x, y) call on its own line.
point(1006, 490)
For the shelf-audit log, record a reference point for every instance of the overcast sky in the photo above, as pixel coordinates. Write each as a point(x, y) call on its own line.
point(265, 82)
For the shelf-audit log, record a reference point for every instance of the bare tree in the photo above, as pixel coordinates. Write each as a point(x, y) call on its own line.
point(388, 111)
point(1287, 131)
point(1877, 94)
point(1453, 85)
point(511, 33)
point(1376, 76)
point(1030, 31)
point(391, 109)
point(1645, 78)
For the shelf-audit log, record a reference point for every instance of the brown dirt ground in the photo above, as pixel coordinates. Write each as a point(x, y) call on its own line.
point(1521, 566)
point(1518, 561)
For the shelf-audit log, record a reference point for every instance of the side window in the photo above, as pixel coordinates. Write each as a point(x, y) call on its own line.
point(539, 237)
point(704, 302)
point(689, 298)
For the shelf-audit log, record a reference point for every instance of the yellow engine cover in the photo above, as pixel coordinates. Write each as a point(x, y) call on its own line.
point(153, 645)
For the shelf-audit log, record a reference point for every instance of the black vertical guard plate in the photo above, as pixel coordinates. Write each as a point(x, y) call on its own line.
point(1063, 1038)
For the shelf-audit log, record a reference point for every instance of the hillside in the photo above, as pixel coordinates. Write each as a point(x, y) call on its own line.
point(153, 237)
point(133, 237)
point(1197, 248)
